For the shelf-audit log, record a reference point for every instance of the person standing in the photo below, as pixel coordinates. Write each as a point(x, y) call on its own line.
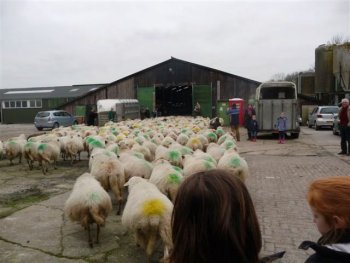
point(234, 120)
point(281, 126)
point(249, 112)
point(344, 127)
point(197, 109)
point(254, 128)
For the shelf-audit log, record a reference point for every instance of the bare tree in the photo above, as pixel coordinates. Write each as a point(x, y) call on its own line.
point(338, 39)
point(278, 77)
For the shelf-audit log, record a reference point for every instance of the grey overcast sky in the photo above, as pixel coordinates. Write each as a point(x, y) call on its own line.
point(66, 42)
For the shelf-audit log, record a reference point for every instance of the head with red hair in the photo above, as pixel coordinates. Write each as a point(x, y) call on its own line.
point(329, 199)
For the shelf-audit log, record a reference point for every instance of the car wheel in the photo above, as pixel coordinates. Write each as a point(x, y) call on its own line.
point(39, 128)
point(55, 125)
point(316, 126)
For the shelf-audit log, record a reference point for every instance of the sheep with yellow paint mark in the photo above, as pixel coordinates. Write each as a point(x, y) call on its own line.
point(148, 213)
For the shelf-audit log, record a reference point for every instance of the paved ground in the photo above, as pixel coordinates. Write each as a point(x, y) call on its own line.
point(280, 175)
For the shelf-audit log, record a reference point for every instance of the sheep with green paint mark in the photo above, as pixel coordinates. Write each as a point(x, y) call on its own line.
point(30, 153)
point(88, 203)
point(99, 154)
point(14, 148)
point(48, 152)
point(148, 214)
point(235, 164)
point(144, 150)
point(194, 165)
point(166, 178)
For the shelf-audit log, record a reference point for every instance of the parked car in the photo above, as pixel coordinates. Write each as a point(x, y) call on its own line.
point(336, 125)
point(322, 116)
point(53, 119)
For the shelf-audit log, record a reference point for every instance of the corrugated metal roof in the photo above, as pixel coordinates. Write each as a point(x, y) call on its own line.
point(47, 92)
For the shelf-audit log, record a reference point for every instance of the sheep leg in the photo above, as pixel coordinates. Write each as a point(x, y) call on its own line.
point(97, 234)
point(151, 243)
point(43, 167)
point(89, 236)
point(140, 239)
point(118, 193)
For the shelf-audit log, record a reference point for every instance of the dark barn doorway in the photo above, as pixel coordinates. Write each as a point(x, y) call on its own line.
point(174, 100)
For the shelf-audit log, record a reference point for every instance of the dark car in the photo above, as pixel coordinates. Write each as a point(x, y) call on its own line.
point(53, 119)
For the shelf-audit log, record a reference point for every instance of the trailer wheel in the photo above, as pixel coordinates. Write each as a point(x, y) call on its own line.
point(294, 135)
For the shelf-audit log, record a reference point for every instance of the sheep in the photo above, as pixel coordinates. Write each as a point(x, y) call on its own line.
point(30, 153)
point(48, 152)
point(236, 165)
point(88, 203)
point(144, 150)
point(182, 139)
point(195, 165)
point(97, 154)
point(148, 213)
point(14, 148)
point(194, 143)
point(110, 173)
point(166, 178)
point(135, 167)
point(204, 156)
point(1, 149)
point(215, 150)
point(73, 146)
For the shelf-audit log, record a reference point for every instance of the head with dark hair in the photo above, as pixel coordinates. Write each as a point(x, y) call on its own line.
point(214, 220)
point(234, 106)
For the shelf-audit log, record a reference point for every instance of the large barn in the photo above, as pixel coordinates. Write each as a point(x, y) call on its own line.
point(173, 87)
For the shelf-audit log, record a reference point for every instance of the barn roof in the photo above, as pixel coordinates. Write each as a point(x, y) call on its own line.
point(47, 92)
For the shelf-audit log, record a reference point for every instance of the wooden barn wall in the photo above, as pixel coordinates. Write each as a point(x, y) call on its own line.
point(169, 73)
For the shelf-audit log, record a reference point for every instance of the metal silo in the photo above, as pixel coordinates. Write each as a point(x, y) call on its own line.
point(324, 79)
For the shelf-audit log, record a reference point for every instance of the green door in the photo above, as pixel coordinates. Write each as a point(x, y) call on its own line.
point(202, 94)
point(145, 96)
point(221, 110)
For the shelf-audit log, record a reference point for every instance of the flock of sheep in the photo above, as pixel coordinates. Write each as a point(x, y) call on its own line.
point(152, 157)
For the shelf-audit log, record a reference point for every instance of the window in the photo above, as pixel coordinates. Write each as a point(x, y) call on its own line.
point(21, 104)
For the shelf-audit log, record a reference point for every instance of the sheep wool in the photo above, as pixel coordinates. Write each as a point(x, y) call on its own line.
point(148, 213)
point(88, 203)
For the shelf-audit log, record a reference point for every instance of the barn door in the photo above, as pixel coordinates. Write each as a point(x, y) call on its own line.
point(146, 97)
point(202, 94)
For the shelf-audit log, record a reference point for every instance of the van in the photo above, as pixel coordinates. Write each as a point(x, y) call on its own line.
point(271, 99)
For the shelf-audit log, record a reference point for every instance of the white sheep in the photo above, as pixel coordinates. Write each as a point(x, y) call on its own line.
point(88, 203)
point(215, 150)
point(182, 139)
point(110, 173)
point(14, 148)
point(166, 178)
point(30, 153)
point(194, 143)
point(47, 153)
point(236, 165)
point(148, 213)
point(195, 165)
point(135, 167)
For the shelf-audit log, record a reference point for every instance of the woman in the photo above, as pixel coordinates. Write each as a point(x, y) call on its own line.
point(214, 220)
